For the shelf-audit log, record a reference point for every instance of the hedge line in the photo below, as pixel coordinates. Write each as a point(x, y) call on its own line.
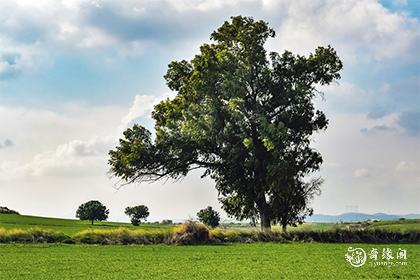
point(194, 234)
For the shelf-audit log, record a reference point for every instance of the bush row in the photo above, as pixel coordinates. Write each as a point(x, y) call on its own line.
point(355, 236)
point(124, 236)
point(32, 235)
point(192, 233)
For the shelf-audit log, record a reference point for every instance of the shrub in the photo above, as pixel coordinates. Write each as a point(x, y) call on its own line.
point(137, 214)
point(124, 236)
point(166, 222)
point(191, 233)
point(354, 236)
point(244, 236)
point(209, 217)
point(5, 210)
point(32, 235)
point(226, 235)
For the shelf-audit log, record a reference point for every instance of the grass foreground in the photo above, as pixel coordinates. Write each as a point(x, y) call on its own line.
point(235, 261)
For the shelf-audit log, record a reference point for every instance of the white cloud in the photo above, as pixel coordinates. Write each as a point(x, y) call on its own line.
point(142, 105)
point(359, 30)
point(403, 166)
point(75, 158)
point(361, 173)
point(87, 37)
point(80, 149)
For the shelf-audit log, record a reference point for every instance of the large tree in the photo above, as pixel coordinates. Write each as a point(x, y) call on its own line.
point(92, 210)
point(243, 116)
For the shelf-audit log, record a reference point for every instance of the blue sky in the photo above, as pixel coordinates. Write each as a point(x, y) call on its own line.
point(74, 74)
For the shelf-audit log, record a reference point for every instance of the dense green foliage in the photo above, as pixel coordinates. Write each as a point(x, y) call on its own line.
point(209, 217)
point(92, 211)
point(244, 116)
point(239, 261)
point(137, 214)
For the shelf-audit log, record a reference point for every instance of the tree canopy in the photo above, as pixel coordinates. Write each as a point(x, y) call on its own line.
point(92, 211)
point(209, 216)
point(245, 117)
point(137, 214)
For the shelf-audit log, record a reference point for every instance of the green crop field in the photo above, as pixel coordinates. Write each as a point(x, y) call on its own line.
point(238, 261)
point(292, 260)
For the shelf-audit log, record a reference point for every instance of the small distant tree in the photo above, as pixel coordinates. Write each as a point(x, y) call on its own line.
point(209, 217)
point(137, 214)
point(92, 211)
point(5, 210)
point(166, 222)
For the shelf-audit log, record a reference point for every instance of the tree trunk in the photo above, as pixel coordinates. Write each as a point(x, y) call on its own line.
point(265, 222)
point(92, 222)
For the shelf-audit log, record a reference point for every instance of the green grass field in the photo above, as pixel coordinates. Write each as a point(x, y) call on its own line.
point(239, 261)
point(294, 260)
point(66, 226)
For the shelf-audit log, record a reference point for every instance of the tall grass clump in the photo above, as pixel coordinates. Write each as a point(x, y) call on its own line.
point(244, 236)
point(124, 236)
point(191, 233)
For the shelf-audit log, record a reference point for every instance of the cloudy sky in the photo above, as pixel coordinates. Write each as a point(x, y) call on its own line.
point(74, 74)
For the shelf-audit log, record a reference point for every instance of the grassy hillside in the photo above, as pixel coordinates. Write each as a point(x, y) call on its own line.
point(237, 261)
point(66, 226)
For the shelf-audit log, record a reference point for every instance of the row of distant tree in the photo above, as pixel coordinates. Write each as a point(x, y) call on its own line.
point(95, 211)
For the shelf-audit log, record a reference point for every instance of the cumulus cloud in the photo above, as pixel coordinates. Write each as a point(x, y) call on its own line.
point(142, 105)
point(82, 147)
point(75, 158)
point(358, 29)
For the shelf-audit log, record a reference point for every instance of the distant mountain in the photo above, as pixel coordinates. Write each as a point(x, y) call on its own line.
point(357, 217)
